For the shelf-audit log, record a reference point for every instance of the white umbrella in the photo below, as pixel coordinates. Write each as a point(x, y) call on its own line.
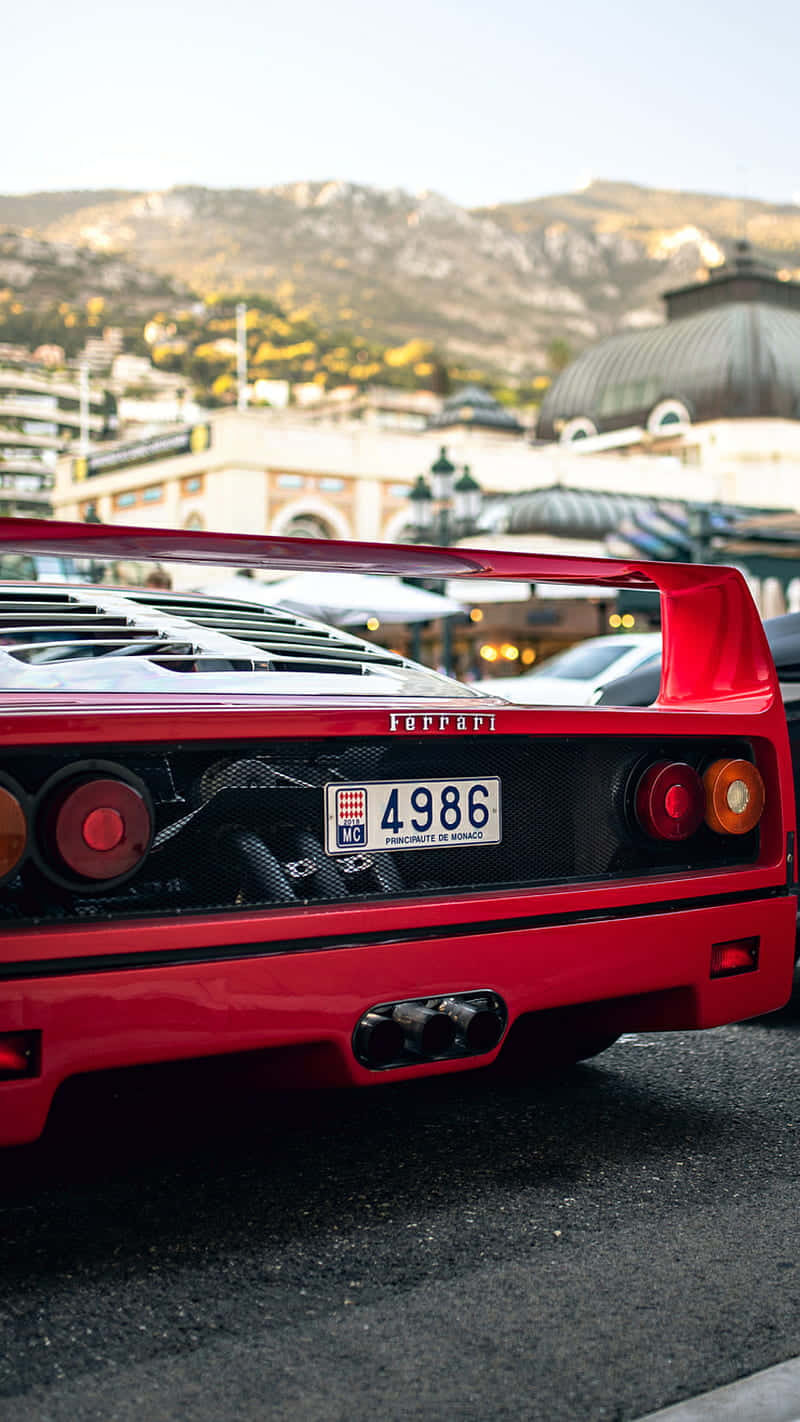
point(244, 589)
point(478, 590)
point(349, 599)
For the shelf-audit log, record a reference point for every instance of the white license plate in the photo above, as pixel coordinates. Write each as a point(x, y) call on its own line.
point(412, 814)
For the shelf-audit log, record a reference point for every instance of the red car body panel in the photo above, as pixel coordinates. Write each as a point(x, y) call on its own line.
point(102, 995)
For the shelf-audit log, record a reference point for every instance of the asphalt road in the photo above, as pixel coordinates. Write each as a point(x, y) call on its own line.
point(606, 1242)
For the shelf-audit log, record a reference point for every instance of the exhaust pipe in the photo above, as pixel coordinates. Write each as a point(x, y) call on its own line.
point(446, 1028)
point(480, 1027)
point(428, 1033)
point(378, 1041)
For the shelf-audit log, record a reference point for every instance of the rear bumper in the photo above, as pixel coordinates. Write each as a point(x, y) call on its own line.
point(648, 971)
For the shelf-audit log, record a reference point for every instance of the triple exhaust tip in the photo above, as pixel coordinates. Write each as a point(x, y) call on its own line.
point(432, 1029)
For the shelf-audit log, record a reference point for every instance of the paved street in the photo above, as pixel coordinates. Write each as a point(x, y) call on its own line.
point(602, 1244)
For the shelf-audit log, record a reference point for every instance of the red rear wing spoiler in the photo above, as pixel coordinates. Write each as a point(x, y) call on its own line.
point(715, 648)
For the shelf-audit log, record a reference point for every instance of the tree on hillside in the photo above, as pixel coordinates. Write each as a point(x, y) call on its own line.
point(559, 354)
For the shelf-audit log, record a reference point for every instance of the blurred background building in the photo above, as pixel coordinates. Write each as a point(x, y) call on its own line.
point(680, 441)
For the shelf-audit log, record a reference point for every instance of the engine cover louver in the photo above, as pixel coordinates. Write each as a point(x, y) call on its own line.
point(43, 628)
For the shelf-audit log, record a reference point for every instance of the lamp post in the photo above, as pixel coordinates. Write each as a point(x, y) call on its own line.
point(443, 510)
point(700, 529)
point(96, 570)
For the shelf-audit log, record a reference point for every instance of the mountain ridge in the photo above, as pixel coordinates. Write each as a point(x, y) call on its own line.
point(496, 285)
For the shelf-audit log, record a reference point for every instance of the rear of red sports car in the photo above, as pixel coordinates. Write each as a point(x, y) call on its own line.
point(227, 829)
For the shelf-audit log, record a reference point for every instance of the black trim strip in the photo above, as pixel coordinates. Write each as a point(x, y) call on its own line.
point(225, 952)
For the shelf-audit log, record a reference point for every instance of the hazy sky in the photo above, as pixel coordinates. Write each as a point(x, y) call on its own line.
point(481, 101)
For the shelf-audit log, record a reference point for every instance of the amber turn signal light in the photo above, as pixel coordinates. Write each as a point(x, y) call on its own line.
point(13, 832)
point(734, 796)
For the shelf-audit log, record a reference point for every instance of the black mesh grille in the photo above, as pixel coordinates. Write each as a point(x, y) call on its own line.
point(242, 826)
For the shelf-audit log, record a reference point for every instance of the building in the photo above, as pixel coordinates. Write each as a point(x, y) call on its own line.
point(346, 471)
point(716, 389)
point(473, 408)
point(40, 417)
point(271, 471)
point(377, 406)
point(263, 471)
point(717, 386)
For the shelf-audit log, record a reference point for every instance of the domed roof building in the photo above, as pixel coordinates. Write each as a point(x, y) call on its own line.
point(729, 350)
point(472, 407)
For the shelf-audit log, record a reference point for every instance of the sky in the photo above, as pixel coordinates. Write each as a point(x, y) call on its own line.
point(483, 102)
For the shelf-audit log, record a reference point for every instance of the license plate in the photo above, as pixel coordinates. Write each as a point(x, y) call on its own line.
point(412, 814)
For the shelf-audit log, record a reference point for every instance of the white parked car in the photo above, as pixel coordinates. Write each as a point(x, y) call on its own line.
point(574, 677)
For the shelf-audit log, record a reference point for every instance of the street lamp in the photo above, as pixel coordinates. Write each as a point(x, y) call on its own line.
point(442, 472)
point(443, 511)
point(422, 511)
point(467, 501)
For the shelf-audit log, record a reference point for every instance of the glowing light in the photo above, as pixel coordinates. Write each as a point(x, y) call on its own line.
point(509, 651)
point(488, 652)
point(528, 657)
point(476, 614)
point(615, 620)
point(373, 623)
point(629, 620)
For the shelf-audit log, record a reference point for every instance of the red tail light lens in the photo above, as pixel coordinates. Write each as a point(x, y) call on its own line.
point(734, 796)
point(738, 955)
point(670, 800)
point(20, 1054)
point(13, 832)
point(100, 828)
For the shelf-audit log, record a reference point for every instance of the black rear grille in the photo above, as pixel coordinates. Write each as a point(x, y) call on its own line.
point(242, 826)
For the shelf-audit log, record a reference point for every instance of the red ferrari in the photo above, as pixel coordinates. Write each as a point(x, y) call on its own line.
point(225, 828)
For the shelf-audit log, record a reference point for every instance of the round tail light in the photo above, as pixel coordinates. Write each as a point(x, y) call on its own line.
point(734, 796)
point(100, 828)
point(670, 800)
point(13, 832)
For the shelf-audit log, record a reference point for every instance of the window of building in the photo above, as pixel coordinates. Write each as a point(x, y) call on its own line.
point(195, 521)
point(152, 493)
point(581, 427)
point(40, 427)
point(308, 526)
point(126, 500)
point(399, 491)
point(667, 413)
point(331, 485)
point(192, 484)
point(291, 481)
point(629, 396)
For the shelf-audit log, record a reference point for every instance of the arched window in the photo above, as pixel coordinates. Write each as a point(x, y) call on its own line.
point(308, 525)
point(311, 518)
point(196, 522)
point(666, 415)
point(579, 428)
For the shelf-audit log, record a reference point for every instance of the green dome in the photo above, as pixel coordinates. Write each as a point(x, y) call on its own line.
point(730, 349)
